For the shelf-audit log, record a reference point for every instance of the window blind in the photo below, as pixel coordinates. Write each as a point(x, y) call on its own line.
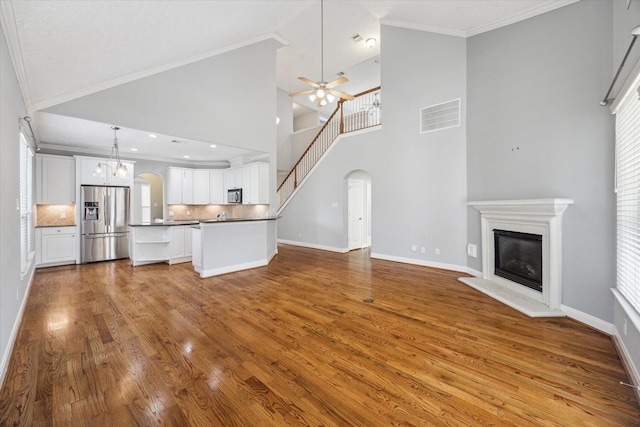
point(628, 195)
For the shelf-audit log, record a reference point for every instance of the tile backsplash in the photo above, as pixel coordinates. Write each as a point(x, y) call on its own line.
point(197, 212)
point(52, 215)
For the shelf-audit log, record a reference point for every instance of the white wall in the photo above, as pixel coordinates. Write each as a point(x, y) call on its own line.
point(418, 180)
point(536, 130)
point(284, 130)
point(229, 99)
point(12, 107)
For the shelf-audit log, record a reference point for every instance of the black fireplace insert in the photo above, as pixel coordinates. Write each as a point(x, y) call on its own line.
point(518, 257)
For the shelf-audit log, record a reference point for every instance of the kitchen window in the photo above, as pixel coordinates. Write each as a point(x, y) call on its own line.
point(26, 205)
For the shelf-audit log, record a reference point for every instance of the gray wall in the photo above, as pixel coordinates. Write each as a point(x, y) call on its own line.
point(12, 107)
point(418, 180)
point(536, 130)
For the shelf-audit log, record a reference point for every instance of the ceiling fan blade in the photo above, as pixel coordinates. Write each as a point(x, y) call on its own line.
point(309, 82)
point(336, 82)
point(304, 92)
point(342, 95)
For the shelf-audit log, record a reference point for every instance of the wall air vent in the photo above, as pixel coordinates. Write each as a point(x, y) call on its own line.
point(440, 116)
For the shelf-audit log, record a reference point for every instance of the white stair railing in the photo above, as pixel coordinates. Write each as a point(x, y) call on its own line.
point(349, 116)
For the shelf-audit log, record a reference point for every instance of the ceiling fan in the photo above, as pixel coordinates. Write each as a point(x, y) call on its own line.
point(322, 91)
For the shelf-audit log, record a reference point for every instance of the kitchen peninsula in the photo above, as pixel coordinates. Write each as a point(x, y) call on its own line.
point(214, 246)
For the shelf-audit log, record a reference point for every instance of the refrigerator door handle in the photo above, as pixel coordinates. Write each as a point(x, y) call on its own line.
point(107, 219)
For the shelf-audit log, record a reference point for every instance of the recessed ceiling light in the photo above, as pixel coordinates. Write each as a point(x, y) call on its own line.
point(213, 146)
point(151, 135)
point(186, 156)
point(134, 149)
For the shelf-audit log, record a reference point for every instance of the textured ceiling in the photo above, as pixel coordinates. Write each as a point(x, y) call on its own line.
point(67, 49)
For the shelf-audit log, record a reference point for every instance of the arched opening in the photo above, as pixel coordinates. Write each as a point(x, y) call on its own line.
point(359, 210)
point(148, 198)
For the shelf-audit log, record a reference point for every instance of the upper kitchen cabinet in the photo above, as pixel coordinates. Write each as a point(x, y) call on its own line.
point(232, 178)
point(216, 187)
point(256, 184)
point(179, 186)
point(201, 180)
point(86, 169)
point(55, 180)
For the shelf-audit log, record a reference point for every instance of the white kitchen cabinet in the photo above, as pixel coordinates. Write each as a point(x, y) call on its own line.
point(232, 178)
point(179, 186)
point(256, 184)
point(216, 187)
point(55, 246)
point(149, 244)
point(55, 180)
point(201, 181)
point(180, 244)
point(86, 167)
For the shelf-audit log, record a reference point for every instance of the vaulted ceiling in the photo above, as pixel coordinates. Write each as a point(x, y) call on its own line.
point(63, 50)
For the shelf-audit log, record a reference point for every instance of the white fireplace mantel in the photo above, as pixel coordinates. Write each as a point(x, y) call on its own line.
point(536, 216)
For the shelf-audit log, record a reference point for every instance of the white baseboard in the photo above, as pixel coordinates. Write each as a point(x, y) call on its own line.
point(314, 246)
point(452, 267)
point(233, 268)
point(6, 357)
point(625, 357)
point(588, 319)
point(474, 272)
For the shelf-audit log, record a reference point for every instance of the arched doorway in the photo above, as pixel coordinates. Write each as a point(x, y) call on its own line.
point(147, 203)
point(359, 210)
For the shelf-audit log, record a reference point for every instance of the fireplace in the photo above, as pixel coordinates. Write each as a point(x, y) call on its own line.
point(541, 295)
point(518, 257)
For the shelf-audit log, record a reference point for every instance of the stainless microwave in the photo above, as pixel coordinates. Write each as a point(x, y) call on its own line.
point(234, 195)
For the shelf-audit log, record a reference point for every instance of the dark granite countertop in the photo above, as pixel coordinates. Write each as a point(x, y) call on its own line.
point(199, 221)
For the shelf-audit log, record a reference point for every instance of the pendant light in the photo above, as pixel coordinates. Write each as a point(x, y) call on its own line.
point(120, 170)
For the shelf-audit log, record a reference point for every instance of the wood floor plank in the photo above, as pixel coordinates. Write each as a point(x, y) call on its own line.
point(294, 343)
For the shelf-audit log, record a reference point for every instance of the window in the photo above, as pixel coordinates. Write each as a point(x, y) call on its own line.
point(26, 205)
point(628, 195)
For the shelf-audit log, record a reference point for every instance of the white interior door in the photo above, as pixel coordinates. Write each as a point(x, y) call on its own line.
point(356, 214)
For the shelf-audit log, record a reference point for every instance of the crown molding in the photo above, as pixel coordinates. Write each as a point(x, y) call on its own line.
point(58, 149)
point(152, 71)
point(535, 11)
point(8, 21)
point(425, 28)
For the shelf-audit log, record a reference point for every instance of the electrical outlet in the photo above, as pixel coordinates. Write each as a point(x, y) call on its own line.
point(170, 213)
point(437, 251)
point(188, 213)
point(63, 215)
point(423, 250)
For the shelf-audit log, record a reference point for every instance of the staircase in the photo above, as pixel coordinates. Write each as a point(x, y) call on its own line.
point(349, 116)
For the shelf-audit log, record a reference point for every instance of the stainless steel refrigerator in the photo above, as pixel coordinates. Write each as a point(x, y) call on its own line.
point(104, 223)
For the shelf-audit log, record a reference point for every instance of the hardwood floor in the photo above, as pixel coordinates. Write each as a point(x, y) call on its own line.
point(295, 344)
